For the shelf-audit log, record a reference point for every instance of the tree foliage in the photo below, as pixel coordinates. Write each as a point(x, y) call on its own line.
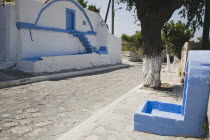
point(82, 3)
point(200, 39)
point(193, 10)
point(135, 41)
point(93, 8)
point(176, 34)
point(152, 15)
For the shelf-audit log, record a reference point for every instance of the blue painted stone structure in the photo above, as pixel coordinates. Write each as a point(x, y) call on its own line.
point(187, 119)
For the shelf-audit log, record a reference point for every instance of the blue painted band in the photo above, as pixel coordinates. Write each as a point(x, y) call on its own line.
point(35, 27)
point(74, 2)
point(31, 35)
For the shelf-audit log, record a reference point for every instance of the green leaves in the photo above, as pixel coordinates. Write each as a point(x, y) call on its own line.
point(193, 10)
point(93, 8)
point(177, 34)
point(82, 3)
point(130, 3)
point(135, 40)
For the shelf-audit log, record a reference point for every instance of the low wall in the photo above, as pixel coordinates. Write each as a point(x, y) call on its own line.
point(67, 62)
point(185, 49)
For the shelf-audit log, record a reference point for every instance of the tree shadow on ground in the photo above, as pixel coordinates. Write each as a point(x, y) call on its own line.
point(175, 91)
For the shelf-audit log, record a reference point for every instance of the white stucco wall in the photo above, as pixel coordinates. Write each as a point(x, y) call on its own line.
point(2, 33)
point(56, 48)
point(48, 43)
point(69, 62)
point(8, 34)
point(114, 46)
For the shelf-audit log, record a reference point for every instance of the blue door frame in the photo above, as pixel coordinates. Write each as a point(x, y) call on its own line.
point(70, 20)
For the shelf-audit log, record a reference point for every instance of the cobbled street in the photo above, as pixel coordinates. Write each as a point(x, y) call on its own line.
point(46, 110)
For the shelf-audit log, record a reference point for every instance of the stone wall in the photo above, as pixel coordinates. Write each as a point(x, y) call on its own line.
point(185, 49)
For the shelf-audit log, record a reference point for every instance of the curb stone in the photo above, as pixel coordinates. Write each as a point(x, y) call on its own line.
point(57, 76)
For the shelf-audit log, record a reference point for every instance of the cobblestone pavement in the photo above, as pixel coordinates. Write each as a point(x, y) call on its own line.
point(46, 110)
point(115, 121)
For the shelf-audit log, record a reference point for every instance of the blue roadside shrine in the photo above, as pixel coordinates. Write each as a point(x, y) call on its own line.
point(188, 119)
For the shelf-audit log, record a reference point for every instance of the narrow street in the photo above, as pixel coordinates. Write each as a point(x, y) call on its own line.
point(46, 110)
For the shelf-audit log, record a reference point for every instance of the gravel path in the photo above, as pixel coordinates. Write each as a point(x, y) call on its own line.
point(46, 110)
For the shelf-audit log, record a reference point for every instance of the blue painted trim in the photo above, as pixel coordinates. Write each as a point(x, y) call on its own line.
point(74, 2)
point(35, 27)
point(31, 35)
point(81, 35)
point(34, 59)
point(69, 19)
point(102, 50)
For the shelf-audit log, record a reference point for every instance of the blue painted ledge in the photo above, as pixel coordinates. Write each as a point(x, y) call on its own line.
point(102, 50)
point(187, 119)
point(35, 59)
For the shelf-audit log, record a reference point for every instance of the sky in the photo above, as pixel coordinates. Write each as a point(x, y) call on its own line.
point(125, 20)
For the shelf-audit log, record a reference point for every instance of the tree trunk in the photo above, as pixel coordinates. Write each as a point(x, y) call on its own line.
point(176, 60)
point(168, 56)
point(151, 36)
point(151, 71)
point(153, 14)
point(206, 26)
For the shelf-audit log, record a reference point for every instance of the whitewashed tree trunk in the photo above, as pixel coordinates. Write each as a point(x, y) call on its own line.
point(176, 60)
point(151, 71)
point(168, 56)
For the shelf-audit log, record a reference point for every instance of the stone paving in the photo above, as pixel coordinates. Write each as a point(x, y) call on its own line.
point(116, 120)
point(46, 110)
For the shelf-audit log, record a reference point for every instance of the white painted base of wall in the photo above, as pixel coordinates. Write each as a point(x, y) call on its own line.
point(67, 62)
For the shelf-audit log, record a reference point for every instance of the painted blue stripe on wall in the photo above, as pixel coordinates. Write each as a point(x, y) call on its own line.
point(35, 27)
point(74, 2)
point(31, 35)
